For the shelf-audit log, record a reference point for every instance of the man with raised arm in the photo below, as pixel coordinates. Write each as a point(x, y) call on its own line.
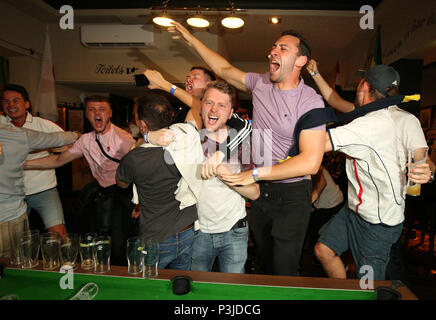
point(279, 218)
point(410, 136)
point(195, 84)
point(376, 146)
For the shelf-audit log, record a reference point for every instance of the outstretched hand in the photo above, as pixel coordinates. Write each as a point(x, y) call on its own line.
point(156, 79)
point(181, 31)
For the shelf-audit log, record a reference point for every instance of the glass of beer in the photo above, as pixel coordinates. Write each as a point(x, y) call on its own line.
point(415, 157)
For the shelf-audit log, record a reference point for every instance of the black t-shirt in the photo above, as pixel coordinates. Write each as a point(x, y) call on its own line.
point(156, 183)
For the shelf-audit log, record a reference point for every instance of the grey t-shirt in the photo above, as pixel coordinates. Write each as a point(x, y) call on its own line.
point(17, 143)
point(156, 182)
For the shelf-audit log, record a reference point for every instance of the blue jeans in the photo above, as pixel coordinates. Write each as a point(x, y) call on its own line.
point(48, 205)
point(369, 243)
point(230, 247)
point(175, 252)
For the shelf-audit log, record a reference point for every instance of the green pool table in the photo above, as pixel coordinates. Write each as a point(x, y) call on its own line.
point(36, 284)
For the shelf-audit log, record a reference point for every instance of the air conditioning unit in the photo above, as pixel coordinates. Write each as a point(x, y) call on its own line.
point(117, 36)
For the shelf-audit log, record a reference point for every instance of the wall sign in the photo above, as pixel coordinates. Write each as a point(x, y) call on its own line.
point(114, 69)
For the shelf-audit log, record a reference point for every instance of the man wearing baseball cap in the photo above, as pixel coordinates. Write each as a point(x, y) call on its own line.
point(376, 145)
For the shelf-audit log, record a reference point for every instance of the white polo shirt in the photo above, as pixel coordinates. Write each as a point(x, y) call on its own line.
point(377, 145)
point(38, 180)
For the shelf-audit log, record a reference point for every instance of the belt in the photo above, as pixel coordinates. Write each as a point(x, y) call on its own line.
point(187, 227)
point(241, 223)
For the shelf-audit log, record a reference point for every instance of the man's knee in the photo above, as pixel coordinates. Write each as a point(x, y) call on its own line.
point(323, 253)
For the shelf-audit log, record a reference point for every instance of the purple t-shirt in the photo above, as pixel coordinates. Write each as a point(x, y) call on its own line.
point(275, 113)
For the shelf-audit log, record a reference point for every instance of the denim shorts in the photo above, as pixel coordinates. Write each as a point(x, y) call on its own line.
point(48, 205)
point(369, 243)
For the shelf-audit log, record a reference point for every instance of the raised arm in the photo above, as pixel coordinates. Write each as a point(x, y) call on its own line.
point(157, 81)
point(51, 162)
point(216, 62)
point(330, 95)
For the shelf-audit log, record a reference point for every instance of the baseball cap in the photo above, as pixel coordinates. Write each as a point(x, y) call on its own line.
point(381, 77)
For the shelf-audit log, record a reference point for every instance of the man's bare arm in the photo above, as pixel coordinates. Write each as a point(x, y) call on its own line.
point(216, 62)
point(330, 95)
point(251, 191)
point(194, 114)
point(51, 162)
point(311, 144)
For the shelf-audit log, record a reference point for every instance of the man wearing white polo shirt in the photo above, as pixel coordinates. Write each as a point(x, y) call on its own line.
point(39, 185)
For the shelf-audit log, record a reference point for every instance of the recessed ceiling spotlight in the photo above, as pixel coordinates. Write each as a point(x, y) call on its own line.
point(275, 20)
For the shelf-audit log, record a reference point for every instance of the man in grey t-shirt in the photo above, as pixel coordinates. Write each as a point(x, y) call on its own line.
point(279, 218)
point(168, 209)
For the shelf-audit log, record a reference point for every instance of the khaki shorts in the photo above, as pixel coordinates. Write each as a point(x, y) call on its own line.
point(4, 235)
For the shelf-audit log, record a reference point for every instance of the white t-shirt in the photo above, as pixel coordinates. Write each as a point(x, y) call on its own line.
point(377, 145)
point(38, 180)
point(220, 207)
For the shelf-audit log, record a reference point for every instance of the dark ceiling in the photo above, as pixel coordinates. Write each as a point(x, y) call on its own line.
point(221, 4)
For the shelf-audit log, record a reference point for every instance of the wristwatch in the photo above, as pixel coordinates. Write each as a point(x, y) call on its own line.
point(146, 137)
point(255, 175)
point(314, 73)
point(431, 177)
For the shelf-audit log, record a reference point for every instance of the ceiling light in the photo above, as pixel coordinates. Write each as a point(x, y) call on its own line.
point(274, 20)
point(232, 21)
point(163, 21)
point(198, 21)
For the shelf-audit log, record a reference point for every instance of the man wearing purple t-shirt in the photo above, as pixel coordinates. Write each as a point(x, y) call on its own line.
point(279, 218)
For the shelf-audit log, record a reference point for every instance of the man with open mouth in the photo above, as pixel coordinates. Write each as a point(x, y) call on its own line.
point(280, 217)
point(195, 85)
point(222, 217)
point(39, 185)
point(103, 148)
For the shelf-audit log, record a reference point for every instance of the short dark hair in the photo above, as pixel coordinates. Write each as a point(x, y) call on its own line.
point(155, 110)
point(97, 98)
point(17, 88)
point(223, 87)
point(377, 95)
point(303, 47)
point(206, 71)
